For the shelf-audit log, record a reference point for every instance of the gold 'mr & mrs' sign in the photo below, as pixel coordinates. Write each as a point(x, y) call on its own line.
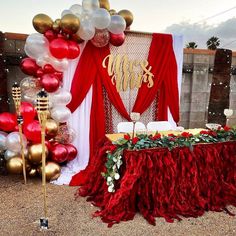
point(128, 73)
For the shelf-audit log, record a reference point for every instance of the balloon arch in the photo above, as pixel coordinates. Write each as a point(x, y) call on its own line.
point(49, 52)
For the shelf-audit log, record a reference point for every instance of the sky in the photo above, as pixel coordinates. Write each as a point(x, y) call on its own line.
point(193, 19)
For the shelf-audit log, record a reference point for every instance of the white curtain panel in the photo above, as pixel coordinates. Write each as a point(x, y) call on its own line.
point(178, 44)
point(80, 119)
point(80, 122)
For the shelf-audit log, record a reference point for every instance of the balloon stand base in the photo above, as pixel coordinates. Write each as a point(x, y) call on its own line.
point(43, 223)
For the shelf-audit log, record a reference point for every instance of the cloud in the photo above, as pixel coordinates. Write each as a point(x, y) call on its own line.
point(200, 33)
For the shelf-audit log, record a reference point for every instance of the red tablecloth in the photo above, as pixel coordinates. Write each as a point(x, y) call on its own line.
point(162, 183)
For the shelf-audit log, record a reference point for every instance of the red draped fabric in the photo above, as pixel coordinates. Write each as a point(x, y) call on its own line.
point(162, 59)
point(90, 72)
point(162, 183)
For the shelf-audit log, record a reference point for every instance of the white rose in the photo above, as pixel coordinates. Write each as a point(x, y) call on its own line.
point(114, 159)
point(109, 179)
point(110, 189)
point(119, 163)
point(117, 176)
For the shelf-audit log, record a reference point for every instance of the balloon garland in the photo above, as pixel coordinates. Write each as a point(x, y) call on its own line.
point(49, 52)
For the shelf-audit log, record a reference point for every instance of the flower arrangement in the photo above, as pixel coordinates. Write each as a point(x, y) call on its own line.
point(144, 141)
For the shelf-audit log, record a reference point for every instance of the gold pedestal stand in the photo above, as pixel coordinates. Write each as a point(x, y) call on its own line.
point(42, 109)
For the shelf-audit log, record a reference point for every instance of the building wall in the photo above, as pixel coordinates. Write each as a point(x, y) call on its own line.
point(196, 86)
point(196, 81)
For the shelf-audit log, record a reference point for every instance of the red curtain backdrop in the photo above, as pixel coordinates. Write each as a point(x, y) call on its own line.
point(90, 72)
point(162, 59)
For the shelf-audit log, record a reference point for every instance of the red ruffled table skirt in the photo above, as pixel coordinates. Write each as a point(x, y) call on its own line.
point(162, 183)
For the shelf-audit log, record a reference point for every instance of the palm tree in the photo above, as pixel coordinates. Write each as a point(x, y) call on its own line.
point(192, 45)
point(212, 43)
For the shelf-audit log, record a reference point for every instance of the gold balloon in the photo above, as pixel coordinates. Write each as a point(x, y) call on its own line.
point(112, 12)
point(15, 165)
point(128, 16)
point(70, 24)
point(52, 171)
point(32, 172)
point(42, 23)
point(104, 4)
point(27, 165)
point(51, 128)
point(57, 25)
point(58, 21)
point(35, 153)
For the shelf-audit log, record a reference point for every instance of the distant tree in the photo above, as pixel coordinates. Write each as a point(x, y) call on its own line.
point(213, 43)
point(192, 45)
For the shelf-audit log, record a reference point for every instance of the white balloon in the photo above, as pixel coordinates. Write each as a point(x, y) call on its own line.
point(41, 61)
point(86, 30)
point(65, 12)
point(13, 142)
point(61, 97)
point(85, 16)
point(3, 138)
point(36, 45)
point(101, 18)
point(9, 154)
point(90, 5)
point(117, 25)
point(76, 9)
point(60, 114)
point(60, 65)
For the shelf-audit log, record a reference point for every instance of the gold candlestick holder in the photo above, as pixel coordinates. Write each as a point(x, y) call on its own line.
point(135, 116)
point(42, 109)
point(228, 113)
point(16, 95)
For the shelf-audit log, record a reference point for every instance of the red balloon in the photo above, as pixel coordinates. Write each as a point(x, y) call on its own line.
point(117, 39)
point(50, 35)
point(50, 83)
point(59, 48)
point(72, 152)
point(32, 131)
point(48, 69)
point(62, 36)
point(27, 111)
point(8, 122)
point(59, 75)
point(48, 144)
point(40, 72)
point(73, 50)
point(59, 153)
point(29, 66)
